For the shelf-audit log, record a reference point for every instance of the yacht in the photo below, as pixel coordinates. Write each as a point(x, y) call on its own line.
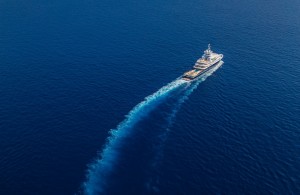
point(203, 64)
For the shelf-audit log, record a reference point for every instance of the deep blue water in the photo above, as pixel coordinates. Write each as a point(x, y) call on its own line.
point(70, 71)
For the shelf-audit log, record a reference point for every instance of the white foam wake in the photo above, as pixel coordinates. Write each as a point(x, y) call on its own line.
point(102, 167)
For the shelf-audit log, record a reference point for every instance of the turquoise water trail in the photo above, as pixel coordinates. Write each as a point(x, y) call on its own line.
point(99, 170)
point(102, 167)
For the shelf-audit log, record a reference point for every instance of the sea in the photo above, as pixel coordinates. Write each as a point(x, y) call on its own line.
point(90, 102)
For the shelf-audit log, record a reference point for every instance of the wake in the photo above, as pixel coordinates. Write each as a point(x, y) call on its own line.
point(99, 171)
point(102, 167)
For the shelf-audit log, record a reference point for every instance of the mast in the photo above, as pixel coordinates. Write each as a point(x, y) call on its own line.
point(207, 53)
